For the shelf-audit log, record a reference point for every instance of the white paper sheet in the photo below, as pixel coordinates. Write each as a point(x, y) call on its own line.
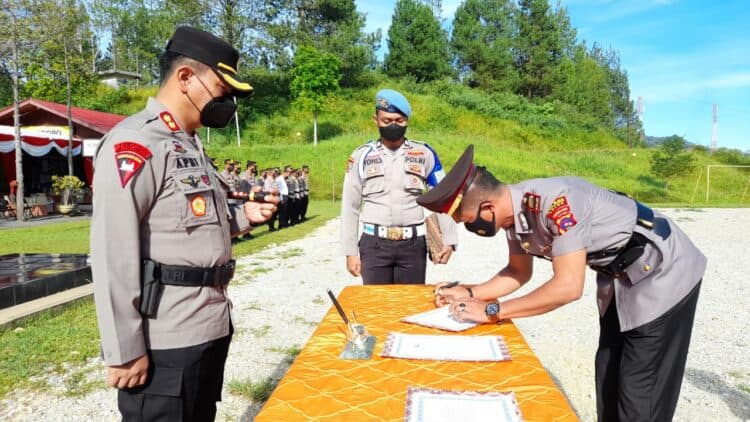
point(427, 405)
point(446, 347)
point(439, 318)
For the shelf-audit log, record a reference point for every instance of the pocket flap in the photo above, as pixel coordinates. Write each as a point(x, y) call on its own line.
point(645, 265)
point(164, 382)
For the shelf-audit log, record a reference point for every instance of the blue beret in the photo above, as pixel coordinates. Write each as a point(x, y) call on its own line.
point(392, 102)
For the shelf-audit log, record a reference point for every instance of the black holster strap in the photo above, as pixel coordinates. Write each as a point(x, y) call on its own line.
point(178, 275)
point(629, 254)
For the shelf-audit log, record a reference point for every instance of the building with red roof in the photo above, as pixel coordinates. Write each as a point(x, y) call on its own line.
point(44, 141)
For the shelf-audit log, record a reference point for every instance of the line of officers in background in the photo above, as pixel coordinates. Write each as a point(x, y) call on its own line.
point(291, 184)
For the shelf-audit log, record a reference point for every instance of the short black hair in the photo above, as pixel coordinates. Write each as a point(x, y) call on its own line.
point(169, 61)
point(480, 189)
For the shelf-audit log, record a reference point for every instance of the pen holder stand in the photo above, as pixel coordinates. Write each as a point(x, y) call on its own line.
point(359, 343)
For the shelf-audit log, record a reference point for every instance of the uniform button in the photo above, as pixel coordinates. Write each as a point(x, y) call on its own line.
point(525, 245)
point(646, 267)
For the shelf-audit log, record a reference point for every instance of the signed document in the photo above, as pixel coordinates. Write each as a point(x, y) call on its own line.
point(446, 347)
point(424, 404)
point(439, 318)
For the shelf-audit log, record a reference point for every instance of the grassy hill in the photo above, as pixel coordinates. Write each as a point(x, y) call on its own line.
point(514, 138)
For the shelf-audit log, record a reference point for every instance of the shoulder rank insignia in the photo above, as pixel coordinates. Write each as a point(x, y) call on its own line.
point(561, 214)
point(130, 158)
point(349, 163)
point(531, 201)
point(169, 121)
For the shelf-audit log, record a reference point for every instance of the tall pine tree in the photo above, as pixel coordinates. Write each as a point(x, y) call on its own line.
point(539, 48)
point(482, 38)
point(417, 45)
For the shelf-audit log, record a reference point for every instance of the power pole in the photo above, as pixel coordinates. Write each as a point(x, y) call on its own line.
point(715, 128)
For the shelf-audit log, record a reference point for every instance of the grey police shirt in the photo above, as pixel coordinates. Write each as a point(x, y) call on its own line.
point(559, 215)
point(156, 197)
point(381, 187)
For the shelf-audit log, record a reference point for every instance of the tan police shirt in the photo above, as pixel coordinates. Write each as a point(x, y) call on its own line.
point(156, 196)
point(381, 187)
point(559, 215)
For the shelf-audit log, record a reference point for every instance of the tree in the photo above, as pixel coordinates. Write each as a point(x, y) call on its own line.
point(18, 32)
point(336, 27)
point(538, 47)
point(417, 45)
point(315, 74)
point(481, 41)
point(586, 86)
point(671, 160)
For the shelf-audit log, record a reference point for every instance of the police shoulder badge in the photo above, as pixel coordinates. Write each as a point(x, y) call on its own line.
point(531, 202)
point(561, 215)
point(130, 157)
point(169, 121)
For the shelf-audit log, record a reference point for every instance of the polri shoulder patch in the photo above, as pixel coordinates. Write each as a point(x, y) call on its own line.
point(130, 157)
point(168, 120)
point(561, 215)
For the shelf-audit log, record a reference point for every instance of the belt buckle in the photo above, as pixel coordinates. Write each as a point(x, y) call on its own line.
point(395, 233)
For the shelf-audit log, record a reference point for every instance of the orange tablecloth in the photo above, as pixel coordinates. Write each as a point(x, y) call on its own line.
point(320, 386)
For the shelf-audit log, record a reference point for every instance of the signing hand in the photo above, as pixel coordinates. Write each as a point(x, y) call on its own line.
point(354, 265)
point(131, 374)
point(469, 309)
point(444, 296)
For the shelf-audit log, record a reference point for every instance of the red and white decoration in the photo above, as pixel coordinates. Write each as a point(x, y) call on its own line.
point(38, 140)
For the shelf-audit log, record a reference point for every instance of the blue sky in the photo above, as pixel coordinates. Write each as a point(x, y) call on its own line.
point(681, 57)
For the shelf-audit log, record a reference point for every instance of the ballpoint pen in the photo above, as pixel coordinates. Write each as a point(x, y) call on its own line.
point(447, 286)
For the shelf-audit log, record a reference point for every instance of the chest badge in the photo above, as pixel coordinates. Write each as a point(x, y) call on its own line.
point(198, 205)
point(178, 147)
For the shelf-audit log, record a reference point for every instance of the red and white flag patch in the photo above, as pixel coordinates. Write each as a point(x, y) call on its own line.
point(130, 158)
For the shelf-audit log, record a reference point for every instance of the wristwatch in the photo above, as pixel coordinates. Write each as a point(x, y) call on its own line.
point(492, 310)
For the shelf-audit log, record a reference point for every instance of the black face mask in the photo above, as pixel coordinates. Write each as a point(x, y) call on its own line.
point(482, 227)
point(392, 132)
point(219, 111)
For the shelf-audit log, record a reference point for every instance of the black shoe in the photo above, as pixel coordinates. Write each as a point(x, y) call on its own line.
point(271, 229)
point(248, 236)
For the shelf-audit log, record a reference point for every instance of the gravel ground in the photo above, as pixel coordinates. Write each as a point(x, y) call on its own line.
point(277, 310)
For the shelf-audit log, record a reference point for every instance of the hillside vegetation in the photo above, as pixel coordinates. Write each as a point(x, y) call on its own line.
point(514, 138)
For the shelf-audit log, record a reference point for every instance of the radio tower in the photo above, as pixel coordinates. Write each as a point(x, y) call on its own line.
point(715, 129)
point(639, 110)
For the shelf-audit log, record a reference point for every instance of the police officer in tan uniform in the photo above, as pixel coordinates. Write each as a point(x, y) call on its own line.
point(160, 240)
point(648, 276)
point(383, 180)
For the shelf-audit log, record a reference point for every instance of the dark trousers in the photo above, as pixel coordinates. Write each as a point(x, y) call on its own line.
point(639, 372)
point(387, 261)
point(303, 211)
point(294, 211)
point(284, 213)
point(183, 385)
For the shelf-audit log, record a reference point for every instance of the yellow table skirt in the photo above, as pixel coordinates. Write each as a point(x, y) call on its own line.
point(320, 386)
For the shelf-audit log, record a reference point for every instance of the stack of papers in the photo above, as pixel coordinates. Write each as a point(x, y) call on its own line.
point(439, 318)
point(423, 404)
point(446, 347)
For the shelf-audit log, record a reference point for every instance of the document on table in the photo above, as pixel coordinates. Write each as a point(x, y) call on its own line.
point(446, 347)
point(439, 318)
point(424, 404)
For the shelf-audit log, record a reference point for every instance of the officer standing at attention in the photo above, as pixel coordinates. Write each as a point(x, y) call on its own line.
point(229, 175)
point(161, 254)
point(305, 185)
point(382, 182)
point(648, 276)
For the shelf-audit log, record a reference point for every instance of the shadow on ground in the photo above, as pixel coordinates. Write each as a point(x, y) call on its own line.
point(737, 400)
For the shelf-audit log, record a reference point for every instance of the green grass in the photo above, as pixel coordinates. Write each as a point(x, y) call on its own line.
point(44, 342)
point(255, 391)
point(41, 344)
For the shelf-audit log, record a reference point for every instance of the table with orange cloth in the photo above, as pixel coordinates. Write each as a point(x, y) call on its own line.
point(320, 386)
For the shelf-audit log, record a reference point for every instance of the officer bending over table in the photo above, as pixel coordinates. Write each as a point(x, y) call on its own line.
point(161, 253)
point(383, 179)
point(648, 276)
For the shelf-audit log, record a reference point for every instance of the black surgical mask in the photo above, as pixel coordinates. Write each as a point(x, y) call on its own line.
point(392, 132)
point(219, 111)
point(482, 227)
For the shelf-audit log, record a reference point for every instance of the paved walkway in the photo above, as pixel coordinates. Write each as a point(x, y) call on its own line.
point(39, 221)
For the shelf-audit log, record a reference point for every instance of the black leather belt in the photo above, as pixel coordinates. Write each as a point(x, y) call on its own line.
point(178, 275)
